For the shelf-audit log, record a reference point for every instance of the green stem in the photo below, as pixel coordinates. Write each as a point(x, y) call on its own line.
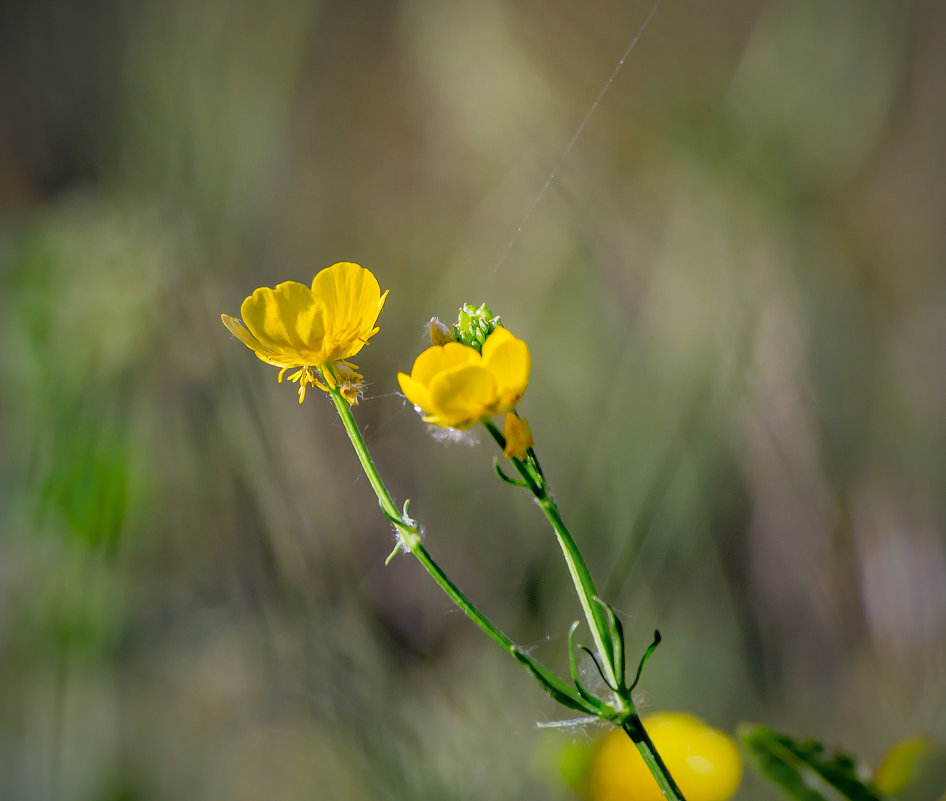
point(410, 539)
point(532, 474)
point(638, 734)
point(562, 692)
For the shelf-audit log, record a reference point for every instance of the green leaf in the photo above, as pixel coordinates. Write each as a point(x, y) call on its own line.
point(805, 769)
point(558, 690)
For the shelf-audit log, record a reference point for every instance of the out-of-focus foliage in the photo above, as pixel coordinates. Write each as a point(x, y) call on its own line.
point(804, 769)
point(734, 297)
point(914, 769)
point(704, 762)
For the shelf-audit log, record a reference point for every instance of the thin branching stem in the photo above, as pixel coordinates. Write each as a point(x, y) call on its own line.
point(410, 540)
point(596, 614)
point(534, 480)
point(532, 474)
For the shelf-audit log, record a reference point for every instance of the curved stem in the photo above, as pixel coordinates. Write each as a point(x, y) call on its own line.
point(638, 734)
point(532, 474)
point(410, 540)
point(562, 692)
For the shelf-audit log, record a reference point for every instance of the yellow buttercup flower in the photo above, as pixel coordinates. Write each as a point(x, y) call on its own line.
point(913, 764)
point(703, 761)
point(454, 385)
point(315, 330)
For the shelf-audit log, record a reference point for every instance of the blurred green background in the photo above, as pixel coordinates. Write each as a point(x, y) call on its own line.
point(735, 297)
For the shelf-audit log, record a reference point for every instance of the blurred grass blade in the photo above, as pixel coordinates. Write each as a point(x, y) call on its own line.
point(805, 769)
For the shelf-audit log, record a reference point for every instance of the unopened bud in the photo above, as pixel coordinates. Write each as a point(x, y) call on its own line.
point(438, 333)
point(474, 324)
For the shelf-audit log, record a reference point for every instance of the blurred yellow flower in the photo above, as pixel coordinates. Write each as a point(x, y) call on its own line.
point(915, 767)
point(453, 385)
point(703, 761)
point(295, 326)
point(518, 436)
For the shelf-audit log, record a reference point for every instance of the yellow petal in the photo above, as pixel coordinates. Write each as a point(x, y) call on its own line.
point(462, 395)
point(500, 335)
point(263, 353)
point(236, 327)
point(518, 437)
point(509, 362)
point(264, 357)
point(288, 321)
point(415, 392)
point(440, 358)
point(353, 301)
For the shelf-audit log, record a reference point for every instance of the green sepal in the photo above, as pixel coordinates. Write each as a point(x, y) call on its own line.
point(805, 769)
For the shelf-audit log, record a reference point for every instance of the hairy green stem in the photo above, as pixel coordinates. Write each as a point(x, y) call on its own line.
point(638, 734)
point(409, 536)
point(531, 472)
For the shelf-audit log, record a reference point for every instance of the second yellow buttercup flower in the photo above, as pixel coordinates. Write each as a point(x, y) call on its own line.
point(455, 386)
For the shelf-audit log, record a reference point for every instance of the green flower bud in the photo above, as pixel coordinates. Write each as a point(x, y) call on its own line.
point(474, 324)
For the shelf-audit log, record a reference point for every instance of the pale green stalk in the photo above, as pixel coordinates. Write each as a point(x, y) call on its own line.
point(611, 665)
point(410, 540)
point(625, 715)
point(597, 620)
